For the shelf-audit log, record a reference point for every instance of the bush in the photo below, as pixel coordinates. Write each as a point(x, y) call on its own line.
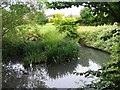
point(56, 19)
point(103, 38)
point(29, 32)
point(67, 25)
point(14, 42)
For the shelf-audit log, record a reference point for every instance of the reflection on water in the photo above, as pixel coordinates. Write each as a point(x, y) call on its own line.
point(15, 75)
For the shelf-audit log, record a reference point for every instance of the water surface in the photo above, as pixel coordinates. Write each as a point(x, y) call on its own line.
point(15, 75)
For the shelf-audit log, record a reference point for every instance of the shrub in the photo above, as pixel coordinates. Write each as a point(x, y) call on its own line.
point(56, 19)
point(29, 32)
point(67, 25)
point(103, 38)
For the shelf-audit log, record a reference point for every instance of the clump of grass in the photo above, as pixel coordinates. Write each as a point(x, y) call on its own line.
point(34, 52)
point(63, 51)
point(58, 47)
point(54, 48)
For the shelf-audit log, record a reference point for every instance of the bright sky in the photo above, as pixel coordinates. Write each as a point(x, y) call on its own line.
point(66, 11)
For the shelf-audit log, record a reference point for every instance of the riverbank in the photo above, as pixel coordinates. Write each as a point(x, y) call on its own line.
point(105, 38)
point(100, 37)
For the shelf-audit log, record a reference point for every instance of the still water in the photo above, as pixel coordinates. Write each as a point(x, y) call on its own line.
point(15, 75)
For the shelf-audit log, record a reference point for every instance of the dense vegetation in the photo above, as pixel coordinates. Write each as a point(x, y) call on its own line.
point(38, 45)
point(65, 25)
point(28, 37)
point(26, 34)
point(101, 37)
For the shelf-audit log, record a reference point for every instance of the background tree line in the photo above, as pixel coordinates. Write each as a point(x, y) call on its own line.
point(94, 13)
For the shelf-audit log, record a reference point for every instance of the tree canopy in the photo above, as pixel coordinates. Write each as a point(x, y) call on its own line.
point(109, 10)
point(19, 13)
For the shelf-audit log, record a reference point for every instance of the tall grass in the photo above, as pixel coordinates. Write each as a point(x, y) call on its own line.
point(54, 48)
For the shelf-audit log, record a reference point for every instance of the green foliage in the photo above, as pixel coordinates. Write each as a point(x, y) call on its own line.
point(38, 17)
point(10, 20)
point(54, 48)
point(86, 16)
point(62, 5)
point(12, 46)
point(104, 38)
point(59, 16)
point(37, 45)
point(58, 48)
point(107, 12)
point(67, 25)
point(56, 19)
point(34, 52)
point(21, 14)
point(28, 32)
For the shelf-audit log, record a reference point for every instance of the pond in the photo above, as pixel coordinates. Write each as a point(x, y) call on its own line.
point(15, 75)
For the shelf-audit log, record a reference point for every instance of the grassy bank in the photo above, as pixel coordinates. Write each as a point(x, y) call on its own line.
point(101, 37)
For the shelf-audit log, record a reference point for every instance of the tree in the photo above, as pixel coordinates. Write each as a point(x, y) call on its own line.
point(110, 9)
point(87, 16)
point(21, 13)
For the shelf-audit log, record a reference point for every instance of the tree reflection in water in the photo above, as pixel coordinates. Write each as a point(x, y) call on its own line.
point(14, 76)
point(56, 71)
point(41, 75)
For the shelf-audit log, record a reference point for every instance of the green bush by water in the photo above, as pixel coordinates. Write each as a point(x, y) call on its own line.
point(102, 38)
